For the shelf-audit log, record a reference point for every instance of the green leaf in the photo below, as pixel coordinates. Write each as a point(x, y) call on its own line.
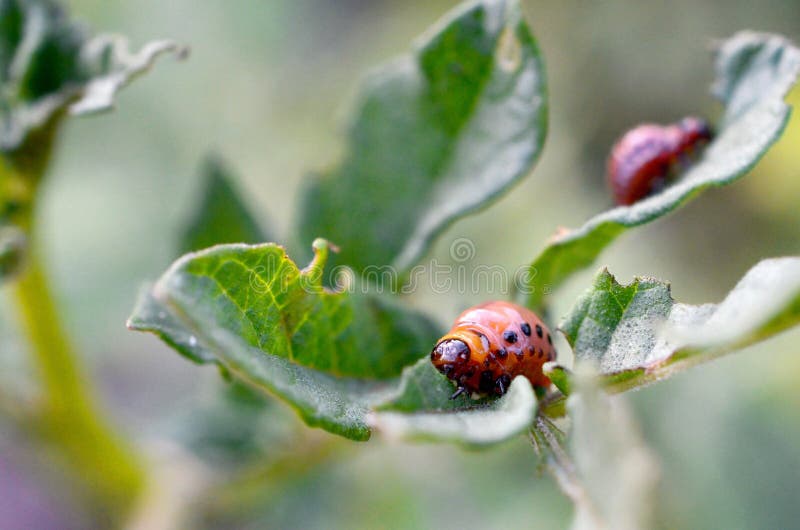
point(437, 134)
point(50, 66)
point(638, 334)
point(252, 311)
point(560, 377)
point(336, 404)
point(260, 295)
point(221, 215)
point(152, 316)
point(423, 387)
point(421, 410)
point(754, 72)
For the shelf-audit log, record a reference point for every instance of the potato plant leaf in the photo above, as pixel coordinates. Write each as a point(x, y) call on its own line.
point(221, 215)
point(437, 133)
point(251, 310)
point(153, 316)
point(422, 410)
point(258, 294)
point(616, 473)
point(638, 334)
point(49, 67)
point(422, 387)
point(416, 405)
point(754, 72)
point(336, 404)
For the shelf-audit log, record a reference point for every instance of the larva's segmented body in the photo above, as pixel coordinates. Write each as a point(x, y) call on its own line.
point(643, 159)
point(492, 343)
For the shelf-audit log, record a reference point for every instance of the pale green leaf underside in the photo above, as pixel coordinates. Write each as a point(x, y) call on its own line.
point(479, 425)
point(753, 74)
point(614, 473)
point(336, 404)
point(152, 316)
point(637, 334)
point(436, 134)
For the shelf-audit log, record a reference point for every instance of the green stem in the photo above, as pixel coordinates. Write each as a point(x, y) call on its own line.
point(68, 416)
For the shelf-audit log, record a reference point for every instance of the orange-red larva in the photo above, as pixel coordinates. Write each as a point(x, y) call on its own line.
point(644, 157)
point(492, 343)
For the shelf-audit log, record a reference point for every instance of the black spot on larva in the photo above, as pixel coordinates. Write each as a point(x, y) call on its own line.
point(502, 383)
point(526, 329)
point(502, 353)
point(486, 363)
point(541, 352)
point(487, 381)
point(549, 339)
point(539, 331)
point(532, 351)
point(510, 337)
point(519, 353)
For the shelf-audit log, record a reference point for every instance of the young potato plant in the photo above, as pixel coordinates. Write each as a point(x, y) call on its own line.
point(436, 134)
point(468, 105)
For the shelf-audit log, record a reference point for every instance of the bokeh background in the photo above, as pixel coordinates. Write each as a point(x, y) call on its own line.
point(267, 86)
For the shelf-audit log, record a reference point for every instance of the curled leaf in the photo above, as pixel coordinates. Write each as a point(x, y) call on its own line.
point(754, 72)
point(437, 134)
point(251, 310)
point(50, 66)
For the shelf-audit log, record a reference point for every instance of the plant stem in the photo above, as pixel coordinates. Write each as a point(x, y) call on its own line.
point(68, 416)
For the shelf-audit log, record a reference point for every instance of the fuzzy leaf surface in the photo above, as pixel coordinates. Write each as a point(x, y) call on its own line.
point(638, 334)
point(436, 134)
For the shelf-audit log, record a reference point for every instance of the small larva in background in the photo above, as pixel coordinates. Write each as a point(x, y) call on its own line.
point(644, 159)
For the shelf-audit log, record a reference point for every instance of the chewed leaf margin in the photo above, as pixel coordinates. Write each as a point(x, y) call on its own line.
point(637, 334)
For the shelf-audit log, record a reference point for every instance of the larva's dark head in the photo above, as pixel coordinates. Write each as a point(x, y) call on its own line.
point(449, 355)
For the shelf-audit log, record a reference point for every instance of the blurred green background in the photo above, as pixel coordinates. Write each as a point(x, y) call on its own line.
point(267, 86)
